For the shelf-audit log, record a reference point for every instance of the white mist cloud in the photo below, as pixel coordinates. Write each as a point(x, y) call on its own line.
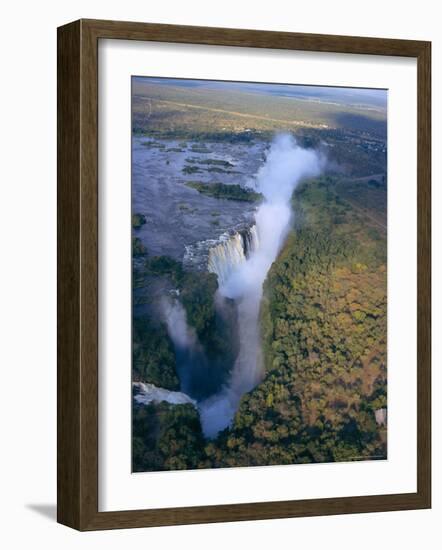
point(286, 165)
point(182, 335)
point(189, 354)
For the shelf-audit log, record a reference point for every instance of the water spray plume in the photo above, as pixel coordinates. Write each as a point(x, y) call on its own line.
point(286, 165)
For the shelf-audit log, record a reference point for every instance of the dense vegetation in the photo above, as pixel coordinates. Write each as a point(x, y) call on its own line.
point(188, 170)
point(324, 334)
point(138, 248)
point(225, 191)
point(138, 220)
point(210, 162)
point(166, 437)
point(210, 165)
point(324, 331)
point(154, 360)
point(153, 355)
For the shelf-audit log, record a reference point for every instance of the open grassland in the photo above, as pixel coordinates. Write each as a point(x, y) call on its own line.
point(167, 109)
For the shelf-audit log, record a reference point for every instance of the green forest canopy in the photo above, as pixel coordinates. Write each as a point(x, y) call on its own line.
point(323, 321)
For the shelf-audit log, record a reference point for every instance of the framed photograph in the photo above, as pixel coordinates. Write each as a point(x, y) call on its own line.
point(243, 275)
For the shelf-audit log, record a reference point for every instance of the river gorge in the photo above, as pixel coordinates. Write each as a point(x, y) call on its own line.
point(240, 258)
point(259, 268)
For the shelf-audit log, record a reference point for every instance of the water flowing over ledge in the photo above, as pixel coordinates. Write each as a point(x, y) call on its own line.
point(242, 264)
point(197, 255)
point(232, 251)
point(241, 260)
point(148, 393)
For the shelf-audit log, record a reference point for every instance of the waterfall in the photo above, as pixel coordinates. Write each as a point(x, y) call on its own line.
point(241, 260)
point(242, 266)
point(250, 240)
point(231, 251)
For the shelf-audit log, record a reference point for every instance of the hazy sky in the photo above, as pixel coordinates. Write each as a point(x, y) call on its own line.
point(361, 96)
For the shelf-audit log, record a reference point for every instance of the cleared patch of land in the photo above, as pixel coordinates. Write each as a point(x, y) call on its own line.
point(236, 113)
point(368, 196)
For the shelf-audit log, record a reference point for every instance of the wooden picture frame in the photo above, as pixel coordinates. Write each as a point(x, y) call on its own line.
point(78, 274)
